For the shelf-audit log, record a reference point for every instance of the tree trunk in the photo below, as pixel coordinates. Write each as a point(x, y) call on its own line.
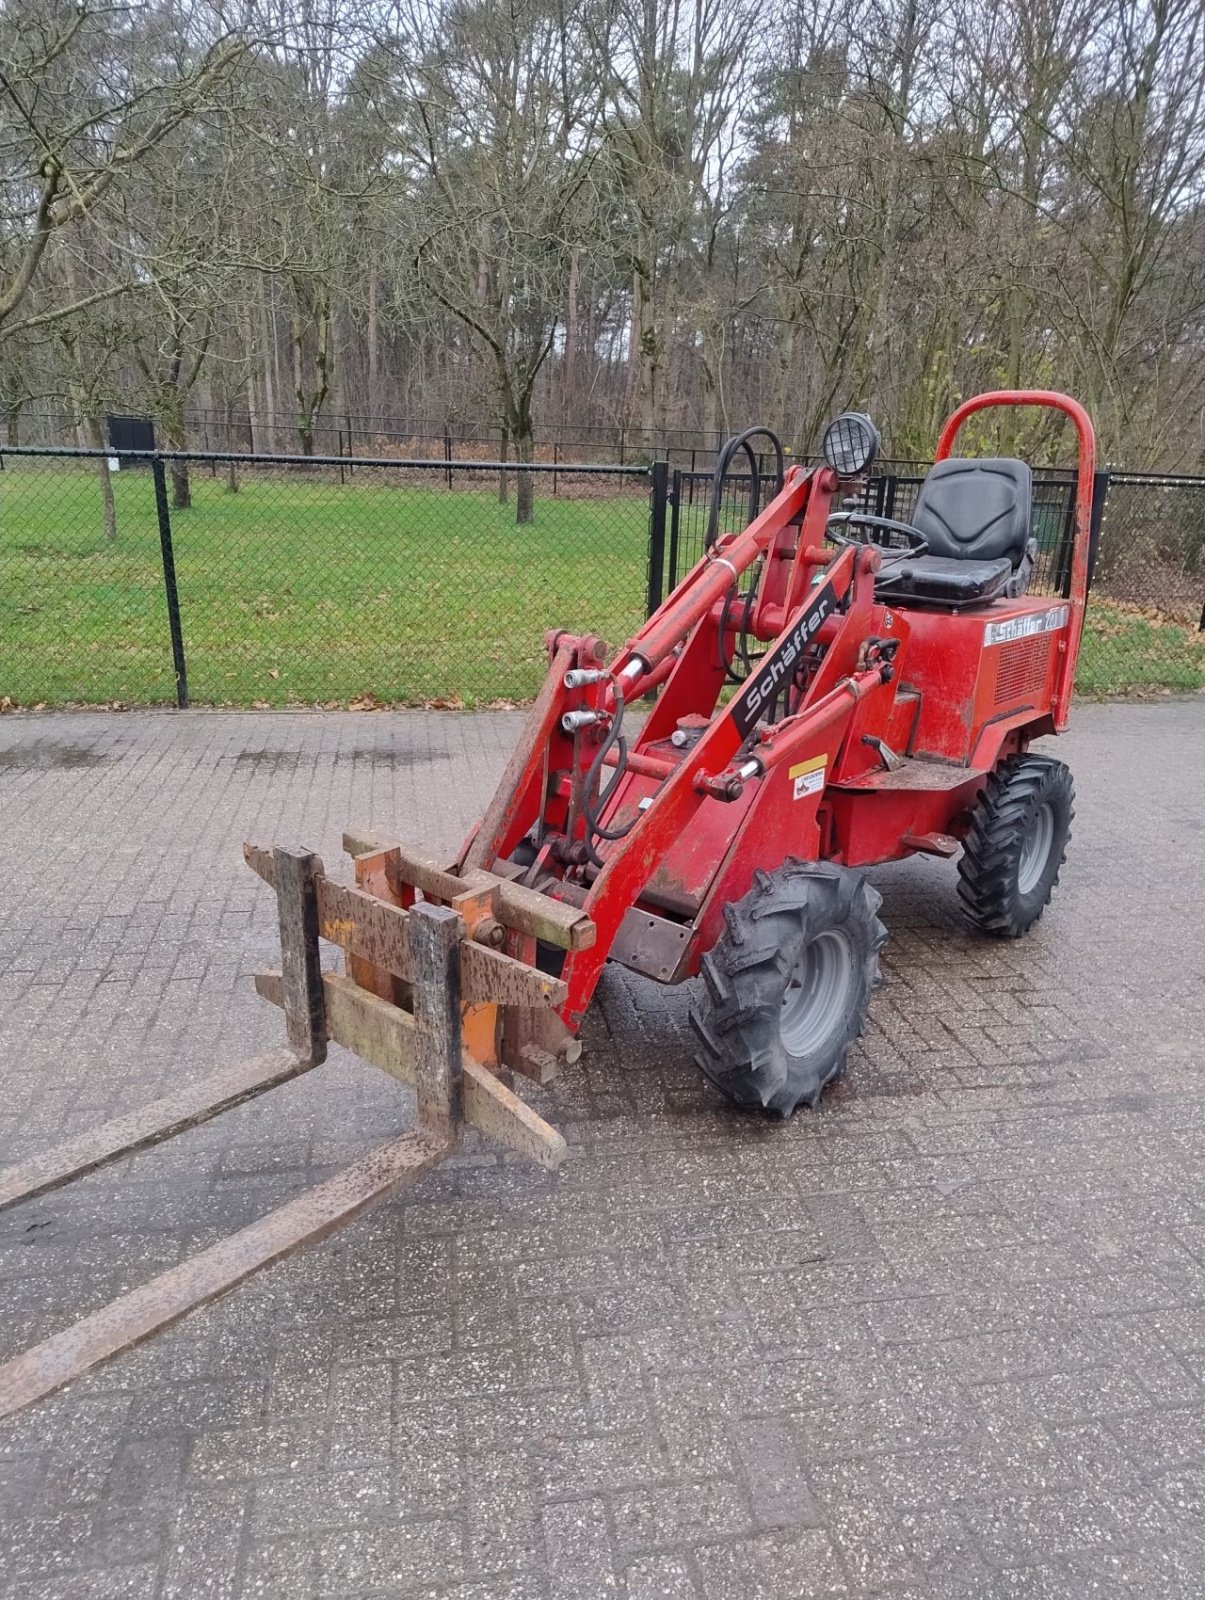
point(524, 484)
point(255, 427)
point(311, 401)
point(232, 464)
point(172, 414)
point(710, 356)
point(521, 428)
point(305, 420)
point(647, 322)
point(504, 476)
point(267, 333)
point(96, 436)
point(373, 334)
point(781, 410)
point(572, 336)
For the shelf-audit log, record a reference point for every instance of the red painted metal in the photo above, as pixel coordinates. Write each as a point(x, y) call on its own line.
point(800, 761)
point(1085, 475)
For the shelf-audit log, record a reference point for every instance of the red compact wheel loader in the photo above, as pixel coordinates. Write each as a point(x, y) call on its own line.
point(887, 679)
point(828, 689)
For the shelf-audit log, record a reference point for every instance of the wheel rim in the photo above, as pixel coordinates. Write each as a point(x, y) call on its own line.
point(817, 992)
point(1035, 849)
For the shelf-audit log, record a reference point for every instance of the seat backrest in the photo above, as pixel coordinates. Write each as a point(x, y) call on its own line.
point(975, 510)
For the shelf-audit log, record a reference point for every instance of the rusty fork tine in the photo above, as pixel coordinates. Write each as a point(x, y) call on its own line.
point(167, 1298)
point(423, 1048)
point(149, 1125)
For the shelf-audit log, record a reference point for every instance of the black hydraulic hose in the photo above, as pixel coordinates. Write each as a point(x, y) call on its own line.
point(740, 441)
point(748, 658)
point(594, 828)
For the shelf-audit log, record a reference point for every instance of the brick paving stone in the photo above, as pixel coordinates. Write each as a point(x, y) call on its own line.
point(945, 1338)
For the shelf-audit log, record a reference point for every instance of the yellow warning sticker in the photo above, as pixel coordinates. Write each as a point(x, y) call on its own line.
point(807, 777)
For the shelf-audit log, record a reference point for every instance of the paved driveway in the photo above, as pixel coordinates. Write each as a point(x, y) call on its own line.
point(944, 1338)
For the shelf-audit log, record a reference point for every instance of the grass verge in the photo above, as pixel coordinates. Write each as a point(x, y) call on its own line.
point(1130, 650)
point(296, 591)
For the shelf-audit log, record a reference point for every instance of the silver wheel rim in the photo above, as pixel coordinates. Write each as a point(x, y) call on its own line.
point(817, 993)
point(1035, 849)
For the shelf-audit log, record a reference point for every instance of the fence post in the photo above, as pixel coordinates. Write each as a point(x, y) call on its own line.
point(659, 499)
point(448, 456)
point(169, 580)
point(675, 503)
point(1100, 493)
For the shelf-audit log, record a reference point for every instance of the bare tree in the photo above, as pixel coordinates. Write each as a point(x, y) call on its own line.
point(85, 98)
point(499, 110)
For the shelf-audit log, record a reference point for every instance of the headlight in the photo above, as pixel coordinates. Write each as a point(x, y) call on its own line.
point(851, 443)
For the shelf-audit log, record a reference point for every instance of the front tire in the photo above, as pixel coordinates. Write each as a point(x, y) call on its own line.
point(1016, 845)
point(787, 985)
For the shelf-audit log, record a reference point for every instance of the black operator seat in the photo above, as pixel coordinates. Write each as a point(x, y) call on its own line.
point(976, 518)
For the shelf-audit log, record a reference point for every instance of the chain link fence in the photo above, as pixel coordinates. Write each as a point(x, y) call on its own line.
point(284, 581)
point(1145, 625)
point(270, 581)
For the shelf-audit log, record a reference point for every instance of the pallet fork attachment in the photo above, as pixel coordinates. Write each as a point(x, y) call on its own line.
point(425, 977)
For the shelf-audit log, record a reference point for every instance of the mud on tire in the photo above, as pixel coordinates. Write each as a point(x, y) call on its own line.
point(787, 985)
point(1016, 845)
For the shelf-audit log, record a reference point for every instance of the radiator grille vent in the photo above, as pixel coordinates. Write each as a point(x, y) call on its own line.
point(1021, 668)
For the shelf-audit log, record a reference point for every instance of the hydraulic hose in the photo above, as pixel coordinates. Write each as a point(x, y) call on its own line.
point(740, 441)
point(594, 810)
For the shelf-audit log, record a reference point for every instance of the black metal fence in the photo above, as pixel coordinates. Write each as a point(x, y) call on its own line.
point(263, 581)
point(285, 581)
point(362, 435)
point(890, 491)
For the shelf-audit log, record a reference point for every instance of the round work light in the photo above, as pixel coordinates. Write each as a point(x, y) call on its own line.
point(851, 442)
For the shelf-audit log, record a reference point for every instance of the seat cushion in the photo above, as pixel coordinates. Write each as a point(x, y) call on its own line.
point(975, 510)
point(940, 581)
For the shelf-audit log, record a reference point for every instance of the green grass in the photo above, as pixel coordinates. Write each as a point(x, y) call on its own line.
point(299, 591)
point(1127, 650)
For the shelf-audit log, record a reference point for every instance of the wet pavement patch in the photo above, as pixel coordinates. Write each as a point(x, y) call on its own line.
point(43, 757)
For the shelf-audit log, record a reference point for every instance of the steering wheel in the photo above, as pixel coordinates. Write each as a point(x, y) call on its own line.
point(918, 545)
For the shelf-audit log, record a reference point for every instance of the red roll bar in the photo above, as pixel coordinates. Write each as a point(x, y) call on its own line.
point(1085, 479)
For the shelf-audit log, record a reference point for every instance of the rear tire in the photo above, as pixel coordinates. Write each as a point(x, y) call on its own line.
point(787, 985)
point(1016, 845)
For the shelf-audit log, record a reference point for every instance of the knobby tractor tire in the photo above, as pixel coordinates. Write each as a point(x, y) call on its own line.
point(787, 985)
point(1016, 845)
